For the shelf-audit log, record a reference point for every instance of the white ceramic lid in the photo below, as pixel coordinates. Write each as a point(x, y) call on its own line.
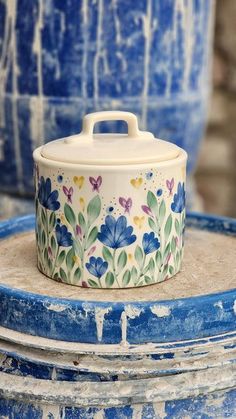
point(110, 149)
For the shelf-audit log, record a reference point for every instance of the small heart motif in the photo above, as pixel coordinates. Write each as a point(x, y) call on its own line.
point(138, 221)
point(136, 183)
point(79, 181)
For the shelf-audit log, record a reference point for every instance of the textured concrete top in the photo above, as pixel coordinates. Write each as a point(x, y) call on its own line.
point(209, 266)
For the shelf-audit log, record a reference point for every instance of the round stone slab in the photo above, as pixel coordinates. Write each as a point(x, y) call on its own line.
point(199, 302)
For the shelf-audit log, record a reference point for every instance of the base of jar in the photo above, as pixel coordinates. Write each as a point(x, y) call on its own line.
point(85, 283)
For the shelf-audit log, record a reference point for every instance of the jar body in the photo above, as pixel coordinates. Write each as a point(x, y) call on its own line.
point(110, 226)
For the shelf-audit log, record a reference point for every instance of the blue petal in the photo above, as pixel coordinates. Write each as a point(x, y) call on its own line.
point(103, 268)
point(106, 240)
point(126, 234)
point(127, 241)
point(91, 269)
point(110, 224)
point(120, 227)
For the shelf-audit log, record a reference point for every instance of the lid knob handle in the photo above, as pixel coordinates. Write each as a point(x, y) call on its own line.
point(91, 119)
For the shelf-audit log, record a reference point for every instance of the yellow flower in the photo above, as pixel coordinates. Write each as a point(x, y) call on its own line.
point(76, 259)
point(82, 203)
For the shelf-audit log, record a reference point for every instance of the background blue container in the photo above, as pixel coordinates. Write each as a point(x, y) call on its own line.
point(62, 59)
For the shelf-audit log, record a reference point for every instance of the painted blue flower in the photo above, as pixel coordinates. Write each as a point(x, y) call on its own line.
point(64, 237)
point(96, 266)
point(150, 243)
point(159, 192)
point(178, 203)
point(115, 233)
point(47, 197)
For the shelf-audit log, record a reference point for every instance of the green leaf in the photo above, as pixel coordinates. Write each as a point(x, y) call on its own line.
point(171, 270)
point(70, 259)
point(152, 225)
point(77, 274)
point(107, 255)
point(168, 226)
point(158, 259)
point(122, 260)
point(62, 275)
point(93, 283)
point(43, 214)
point(148, 280)
point(165, 271)
point(92, 237)
point(78, 248)
point(70, 215)
point(177, 259)
point(134, 274)
point(151, 266)
point(177, 227)
point(126, 278)
point(61, 257)
point(43, 238)
point(138, 254)
point(45, 255)
point(109, 279)
point(162, 211)
point(166, 252)
point(93, 209)
point(53, 244)
point(82, 222)
point(55, 276)
point(152, 202)
point(173, 245)
point(52, 221)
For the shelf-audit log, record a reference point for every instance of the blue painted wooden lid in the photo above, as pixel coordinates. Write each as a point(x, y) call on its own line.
point(125, 319)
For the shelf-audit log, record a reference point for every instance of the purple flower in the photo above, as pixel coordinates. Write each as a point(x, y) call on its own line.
point(147, 210)
point(96, 266)
point(47, 197)
point(150, 243)
point(64, 237)
point(78, 231)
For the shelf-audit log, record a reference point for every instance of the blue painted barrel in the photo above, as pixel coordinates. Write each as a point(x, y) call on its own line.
point(63, 59)
point(158, 352)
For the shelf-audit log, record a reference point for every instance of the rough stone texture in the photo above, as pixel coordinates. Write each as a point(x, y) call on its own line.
point(209, 266)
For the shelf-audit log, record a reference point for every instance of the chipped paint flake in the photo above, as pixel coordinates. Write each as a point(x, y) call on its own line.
point(56, 307)
point(160, 310)
point(132, 311)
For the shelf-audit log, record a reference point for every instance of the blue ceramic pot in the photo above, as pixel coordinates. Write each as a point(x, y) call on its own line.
point(62, 59)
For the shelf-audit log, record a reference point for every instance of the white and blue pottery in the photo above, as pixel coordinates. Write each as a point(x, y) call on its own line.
point(110, 208)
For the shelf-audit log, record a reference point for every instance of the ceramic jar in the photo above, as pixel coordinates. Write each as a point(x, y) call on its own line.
point(110, 208)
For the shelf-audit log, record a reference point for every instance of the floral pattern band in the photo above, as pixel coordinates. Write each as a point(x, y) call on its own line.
point(93, 243)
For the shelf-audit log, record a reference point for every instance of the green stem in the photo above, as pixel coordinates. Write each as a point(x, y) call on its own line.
point(55, 261)
point(99, 281)
point(114, 267)
point(141, 269)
